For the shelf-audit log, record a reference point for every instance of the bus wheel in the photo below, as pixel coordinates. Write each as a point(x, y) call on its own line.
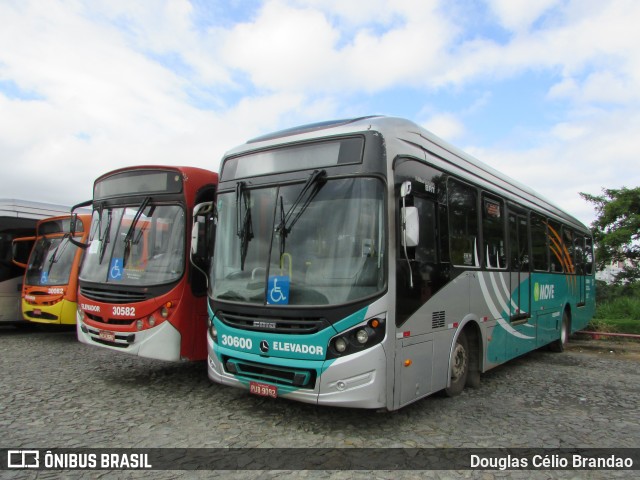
point(560, 344)
point(459, 366)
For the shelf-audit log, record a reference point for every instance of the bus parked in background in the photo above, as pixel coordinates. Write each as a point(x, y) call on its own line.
point(50, 287)
point(18, 219)
point(367, 263)
point(138, 293)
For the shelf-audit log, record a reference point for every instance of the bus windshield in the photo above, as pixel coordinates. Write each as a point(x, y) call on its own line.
point(136, 245)
point(50, 262)
point(319, 243)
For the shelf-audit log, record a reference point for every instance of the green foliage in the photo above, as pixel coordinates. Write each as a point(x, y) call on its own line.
point(606, 292)
point(614, 326)
point(617, 230)
point(620, 308)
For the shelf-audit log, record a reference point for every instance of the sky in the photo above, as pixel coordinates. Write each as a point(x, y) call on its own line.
point(546, 91)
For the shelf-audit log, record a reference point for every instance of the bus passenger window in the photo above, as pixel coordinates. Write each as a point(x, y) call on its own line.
point(588, 253)
point(555, 247)
point(539, 246)
point(493, 233)
point(463, 224)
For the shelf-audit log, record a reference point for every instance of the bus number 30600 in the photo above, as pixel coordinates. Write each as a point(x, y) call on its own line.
point(125, 311)
point(237, 342)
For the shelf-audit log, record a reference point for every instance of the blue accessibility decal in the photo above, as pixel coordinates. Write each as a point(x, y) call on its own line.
point(278, 290)
point(115, 271)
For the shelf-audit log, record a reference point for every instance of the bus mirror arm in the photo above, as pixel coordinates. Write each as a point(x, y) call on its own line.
point(410, 226)
point(73, 222)
point(197, 252)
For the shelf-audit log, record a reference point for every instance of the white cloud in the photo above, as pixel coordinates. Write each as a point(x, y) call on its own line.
point(445, 125)
point(583, 154)
point(116, 83)
point(518, 15)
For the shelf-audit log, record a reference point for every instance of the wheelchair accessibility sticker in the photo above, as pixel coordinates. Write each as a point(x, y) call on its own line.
point(278, 290)
point(115, 271)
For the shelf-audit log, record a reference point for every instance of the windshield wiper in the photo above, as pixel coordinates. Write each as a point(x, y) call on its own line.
point(54, 256)
point(314, 183)
point(104, 238)
point(245, 232)
point(127, 238)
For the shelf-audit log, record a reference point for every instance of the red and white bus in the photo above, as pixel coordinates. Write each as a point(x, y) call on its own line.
point(138, 292)
point(50, 287)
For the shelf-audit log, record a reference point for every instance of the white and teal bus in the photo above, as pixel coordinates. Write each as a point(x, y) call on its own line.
point(366, 263)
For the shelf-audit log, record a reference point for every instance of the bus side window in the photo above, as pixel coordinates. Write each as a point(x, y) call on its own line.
point(578, 243)
point(463, 223)
point(493, 233)
point(555, 247)
point(539, 243)
point(569, 251)
point(588, 251)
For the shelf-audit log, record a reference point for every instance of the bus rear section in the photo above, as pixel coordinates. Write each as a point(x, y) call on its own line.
point(138, 293)
point(50, 287)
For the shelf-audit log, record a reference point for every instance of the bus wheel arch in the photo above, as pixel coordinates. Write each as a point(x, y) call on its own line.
point(474, 343)
point(560, 344)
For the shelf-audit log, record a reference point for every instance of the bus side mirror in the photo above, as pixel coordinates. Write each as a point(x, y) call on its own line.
point(410, 224)
point(411, 227)
point(21, 250)
point(201, 213)
point(73, 224)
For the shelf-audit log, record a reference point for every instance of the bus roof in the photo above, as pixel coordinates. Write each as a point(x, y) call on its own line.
point(15, 208)
point(412, 135)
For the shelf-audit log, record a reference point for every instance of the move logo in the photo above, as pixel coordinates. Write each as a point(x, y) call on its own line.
point(543, 292)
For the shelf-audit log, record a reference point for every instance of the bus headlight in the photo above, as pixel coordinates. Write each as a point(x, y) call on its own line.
point(213, 331)
point(362, 336)
point(152, 320)
point(340, 345)
point(139, 324)
point(357, 339)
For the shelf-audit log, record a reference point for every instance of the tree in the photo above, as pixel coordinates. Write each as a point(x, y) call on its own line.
point(616, 231)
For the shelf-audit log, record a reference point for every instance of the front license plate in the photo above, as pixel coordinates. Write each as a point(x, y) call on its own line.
point(108, 336)
point(263, 389)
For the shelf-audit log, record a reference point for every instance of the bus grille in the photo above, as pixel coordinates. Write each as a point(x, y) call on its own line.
point(299, 326)
point(110, 321)
point(41, 315)
point(112, 296)
point(293, 377)
point(121, 339)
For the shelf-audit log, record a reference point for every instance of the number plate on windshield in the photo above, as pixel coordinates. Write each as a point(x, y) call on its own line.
point(108, 336)
point(263, 389)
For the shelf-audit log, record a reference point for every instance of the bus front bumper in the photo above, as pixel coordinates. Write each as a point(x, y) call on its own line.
point(161, 342)
point(357, 381)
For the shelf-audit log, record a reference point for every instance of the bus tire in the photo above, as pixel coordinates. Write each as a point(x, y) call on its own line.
point(560, 344)
point(459, 366)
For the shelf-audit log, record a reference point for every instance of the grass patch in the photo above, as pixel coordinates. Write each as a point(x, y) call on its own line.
point(614, 325)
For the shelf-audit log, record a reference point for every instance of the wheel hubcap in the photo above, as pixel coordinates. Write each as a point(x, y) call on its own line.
point(459, 362)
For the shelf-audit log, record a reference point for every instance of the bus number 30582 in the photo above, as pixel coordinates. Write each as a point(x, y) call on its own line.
point(125, 311)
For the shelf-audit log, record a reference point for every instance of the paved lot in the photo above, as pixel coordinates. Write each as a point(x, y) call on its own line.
point(57, 392)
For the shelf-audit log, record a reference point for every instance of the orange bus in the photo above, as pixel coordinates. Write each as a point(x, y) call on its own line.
point(50, 286)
